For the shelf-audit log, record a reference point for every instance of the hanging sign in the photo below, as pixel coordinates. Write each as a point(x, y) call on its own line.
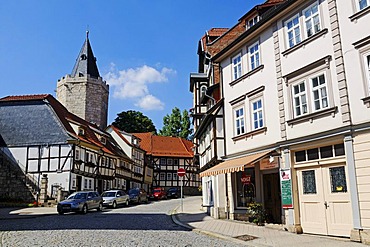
point(269, 163)
point(286, 188)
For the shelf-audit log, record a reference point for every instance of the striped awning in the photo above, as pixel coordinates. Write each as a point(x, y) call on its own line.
point(234, 165)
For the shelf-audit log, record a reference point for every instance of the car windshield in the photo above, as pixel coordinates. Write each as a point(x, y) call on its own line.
point(109, 194)
point(156, 191)
point(172, 190)
point(133, 192)
point(78, 196)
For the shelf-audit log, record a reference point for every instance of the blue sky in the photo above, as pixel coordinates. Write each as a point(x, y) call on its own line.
point(145, 49)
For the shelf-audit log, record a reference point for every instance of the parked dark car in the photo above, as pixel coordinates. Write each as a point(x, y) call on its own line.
point(159, 194)
point(114, 198)
point(173, 193)
point(138, 195)
point(81, 202)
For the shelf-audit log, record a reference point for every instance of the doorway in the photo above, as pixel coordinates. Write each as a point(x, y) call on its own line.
point(272, 197)
point(324, 197)
point(78, 183)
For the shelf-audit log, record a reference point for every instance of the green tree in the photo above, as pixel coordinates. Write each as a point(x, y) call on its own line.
point(134, 122)
point(176, 124)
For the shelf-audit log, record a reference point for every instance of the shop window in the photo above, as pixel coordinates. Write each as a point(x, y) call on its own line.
point(338, 179)
point(309, 182)
point(246, 192)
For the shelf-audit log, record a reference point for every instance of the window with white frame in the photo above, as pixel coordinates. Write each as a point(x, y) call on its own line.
point(239, 121)
point(367, 70)
point(314, 88)
point(300, 99)
point(162, 176)
point(169, 176)
point(254, 56)
point(319, 92)
point(237, 66)
point(257, 114)
point(312, 20)
point(293, 31)
point(308, 20)
point(361, 4)
point(77, 154)
point(251, 22)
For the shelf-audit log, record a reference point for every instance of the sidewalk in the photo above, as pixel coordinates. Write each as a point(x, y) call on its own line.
point(194, 218)
point(12, 213)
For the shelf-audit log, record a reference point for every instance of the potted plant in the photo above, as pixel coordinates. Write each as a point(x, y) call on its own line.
point(256, 213)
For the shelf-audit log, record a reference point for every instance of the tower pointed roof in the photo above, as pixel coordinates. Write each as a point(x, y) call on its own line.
point(86, 62)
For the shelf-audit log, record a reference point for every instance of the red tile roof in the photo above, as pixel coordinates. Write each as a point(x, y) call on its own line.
point(25, 97)
point(165, 145)
point(217, 31)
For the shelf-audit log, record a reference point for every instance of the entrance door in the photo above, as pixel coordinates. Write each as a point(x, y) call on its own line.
point(272, 197)
point(78, 183)
point(325, 206)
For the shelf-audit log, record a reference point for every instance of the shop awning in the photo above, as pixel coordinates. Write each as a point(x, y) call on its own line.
point(233, 165)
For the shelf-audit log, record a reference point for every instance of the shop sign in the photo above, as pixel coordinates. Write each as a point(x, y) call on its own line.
point(286, 188)
point(246, 179)
point(268, 163)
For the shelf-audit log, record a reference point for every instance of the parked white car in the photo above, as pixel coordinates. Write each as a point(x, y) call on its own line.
point(114, 198)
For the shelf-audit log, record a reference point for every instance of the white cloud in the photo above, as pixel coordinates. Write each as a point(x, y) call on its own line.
point(149, 102)
point(133, 83)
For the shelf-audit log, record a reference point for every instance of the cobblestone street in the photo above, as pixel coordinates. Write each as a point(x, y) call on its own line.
point(138, 225)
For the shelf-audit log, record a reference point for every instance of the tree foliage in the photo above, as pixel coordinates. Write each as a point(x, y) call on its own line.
point(176, 124)
point(134, 122)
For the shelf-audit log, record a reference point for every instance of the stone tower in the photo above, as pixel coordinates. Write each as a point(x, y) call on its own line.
point(84, 92)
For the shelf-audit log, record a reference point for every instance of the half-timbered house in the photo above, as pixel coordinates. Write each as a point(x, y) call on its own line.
point(142, 171)
point(43, 138)
point(168, 154)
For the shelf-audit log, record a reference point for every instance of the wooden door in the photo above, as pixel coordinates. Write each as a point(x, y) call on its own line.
point(324, 198)
point(272, 197)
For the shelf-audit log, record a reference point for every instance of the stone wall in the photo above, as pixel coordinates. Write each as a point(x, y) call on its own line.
point(13, 187)
point(85, 97)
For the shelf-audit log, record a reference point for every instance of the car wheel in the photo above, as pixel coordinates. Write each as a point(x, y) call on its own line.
point(100, 208)
point(60, 212)
point(114, 205)
point(139, 200)
point(84, 209)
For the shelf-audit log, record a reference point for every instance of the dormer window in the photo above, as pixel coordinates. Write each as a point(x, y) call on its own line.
point(251, 22)
point(81, 131)
point(103, 140)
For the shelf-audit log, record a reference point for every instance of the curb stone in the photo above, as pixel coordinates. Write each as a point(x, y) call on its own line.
point(175, 219)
